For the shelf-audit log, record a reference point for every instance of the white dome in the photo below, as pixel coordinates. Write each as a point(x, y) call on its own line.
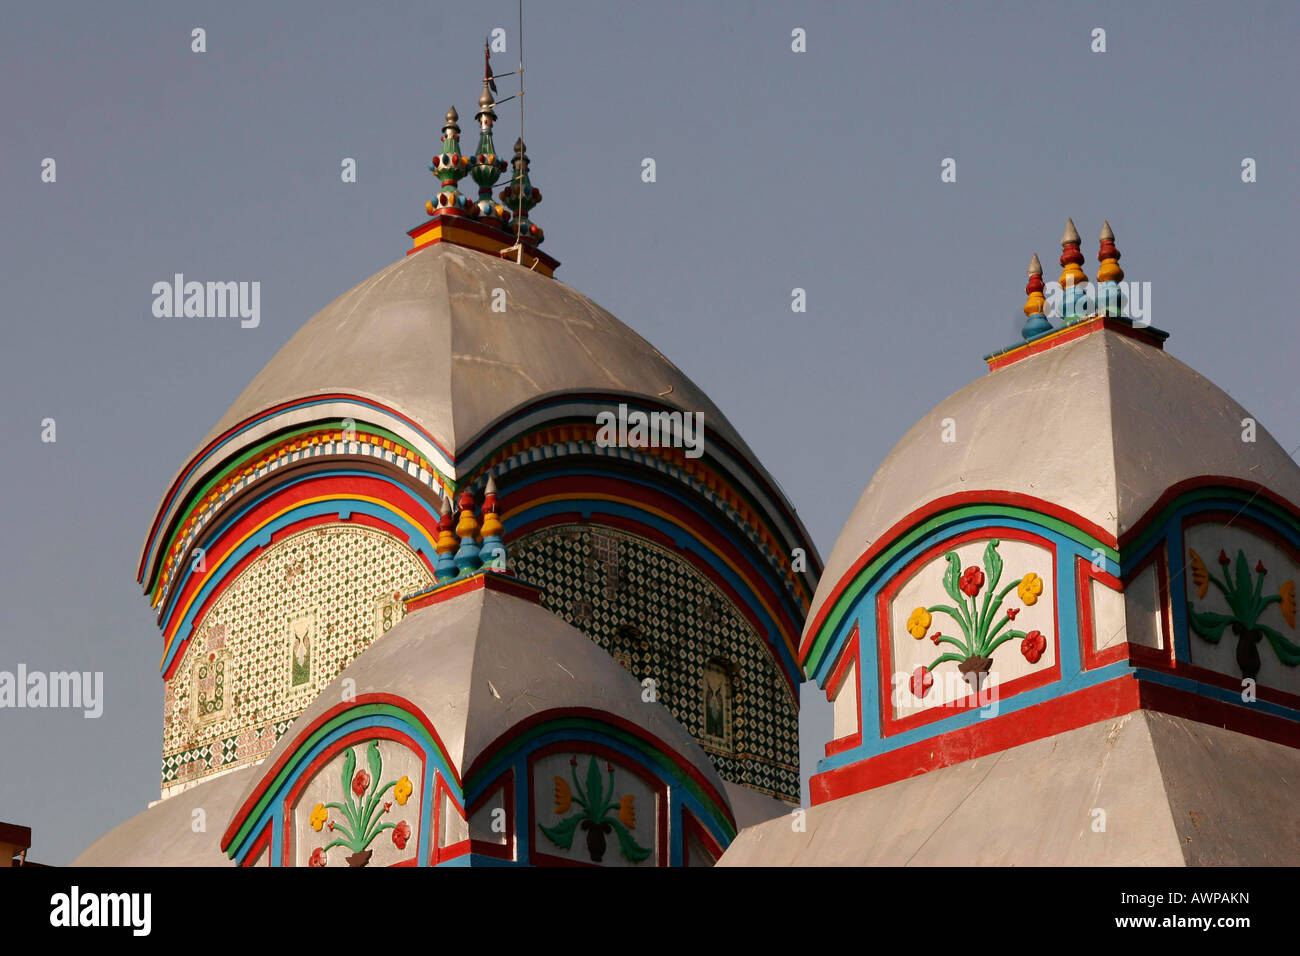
point(1101, 425)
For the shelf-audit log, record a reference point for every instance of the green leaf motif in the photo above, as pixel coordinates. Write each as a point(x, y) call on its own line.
point(376, 765)
point(349, 764)
point(562, 833)
point(1243, 587)
point(595, 799)
point(1208, 624)
point(993, 563)
point(1287, 652)
point(952, 576)
point(631, 850)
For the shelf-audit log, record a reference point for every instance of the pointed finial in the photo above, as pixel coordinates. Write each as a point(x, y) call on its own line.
point(1074, 299)
point(488, 166)
point(467, 558)
point(445, 567)
point(493, 549)
point(521, 196)
point(1109, 275)
point(450, 167)
point(1035, 320)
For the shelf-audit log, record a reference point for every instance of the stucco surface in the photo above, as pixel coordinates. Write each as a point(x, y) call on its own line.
point(164, 834)
point(1036, 805)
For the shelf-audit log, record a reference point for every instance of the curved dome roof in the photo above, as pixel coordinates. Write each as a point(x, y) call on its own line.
point(1101, 425)
point(420, 336)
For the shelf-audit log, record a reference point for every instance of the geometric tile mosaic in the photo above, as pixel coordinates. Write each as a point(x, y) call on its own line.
point(662, 619)
point(278, 634)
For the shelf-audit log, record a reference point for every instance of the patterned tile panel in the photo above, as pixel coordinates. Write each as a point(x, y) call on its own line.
point(662, 619)
point(277, 635)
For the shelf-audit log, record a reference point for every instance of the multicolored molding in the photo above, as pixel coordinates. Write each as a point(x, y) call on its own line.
point(1149, 643)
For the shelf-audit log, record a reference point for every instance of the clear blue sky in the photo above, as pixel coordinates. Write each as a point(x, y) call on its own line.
point(776, 170)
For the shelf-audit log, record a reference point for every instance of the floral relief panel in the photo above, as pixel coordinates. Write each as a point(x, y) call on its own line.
point(970, 619)
point(1241, 605)
point(362, 808)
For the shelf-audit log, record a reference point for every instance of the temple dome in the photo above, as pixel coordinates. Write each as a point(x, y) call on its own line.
point(421, 337)
point(1101, 425)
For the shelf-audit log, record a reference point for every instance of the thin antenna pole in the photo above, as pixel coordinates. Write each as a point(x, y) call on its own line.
point(519, 250)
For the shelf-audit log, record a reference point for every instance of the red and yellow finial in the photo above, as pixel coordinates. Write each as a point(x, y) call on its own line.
point(1108, 256)
point(1074, 298)
point(1035, 312)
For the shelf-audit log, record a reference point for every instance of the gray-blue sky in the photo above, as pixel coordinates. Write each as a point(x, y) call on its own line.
point(775, 169)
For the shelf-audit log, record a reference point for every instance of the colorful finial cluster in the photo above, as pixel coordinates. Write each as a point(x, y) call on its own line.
point(1035, 305)
point(1074, 293)
point(485, 167)
point(461, 551)
point(1076, 302)
point(1109, 275)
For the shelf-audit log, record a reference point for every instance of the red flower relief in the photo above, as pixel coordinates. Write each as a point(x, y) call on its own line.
point(360, 783)
point(935, 637)
point(1012, 612)
point(401, 833)
point(1033, 645)
point(921, 682)
point(1259, 568)
point(972, 579)
point(1223, 557)
point(317, 857)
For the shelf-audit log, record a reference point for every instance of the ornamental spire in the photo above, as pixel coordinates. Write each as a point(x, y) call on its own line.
point(1074, 297)
point(1109, 274)
point(488, 166)
point(1035, 318)
point(493, 549)
point(450, 167)
point(521, 196)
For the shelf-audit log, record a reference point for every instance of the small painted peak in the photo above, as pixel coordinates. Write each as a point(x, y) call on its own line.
point(1071, 235)
point(1074, 300)
point(1108, 256)
point(1035, 313)
point(450, 167)
point(521, 195)
point(1110, 298)
point(488, 166)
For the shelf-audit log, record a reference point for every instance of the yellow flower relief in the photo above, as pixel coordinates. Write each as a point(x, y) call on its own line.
point(1287, 590)
point(627, 811)
point(563, 796)
point(1200, 576)
point(1031, 586)
point(918, 623)
point(403, 791)
point(318, 816)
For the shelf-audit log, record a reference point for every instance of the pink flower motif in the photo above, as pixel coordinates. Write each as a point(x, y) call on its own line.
point(401, 833)
point(317, 857)
point(972, 579)
point(1033, 645)
point(921, 682)
point(360, 783)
